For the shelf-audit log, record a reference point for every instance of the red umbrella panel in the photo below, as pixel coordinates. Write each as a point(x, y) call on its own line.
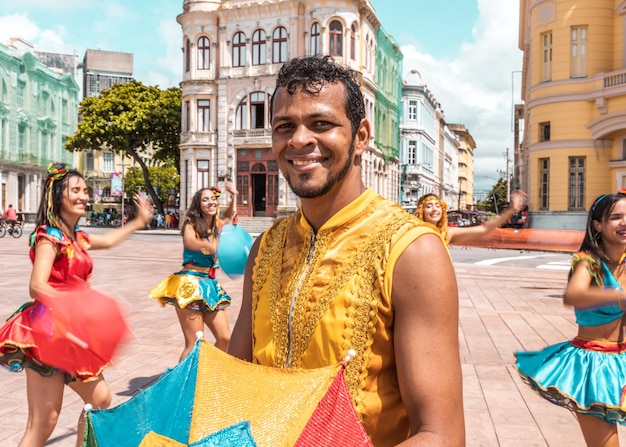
point(78, 331)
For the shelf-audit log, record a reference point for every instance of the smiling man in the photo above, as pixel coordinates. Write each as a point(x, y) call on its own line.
point(352, 271)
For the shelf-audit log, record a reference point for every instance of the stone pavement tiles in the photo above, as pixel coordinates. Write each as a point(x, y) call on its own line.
point(501, 310)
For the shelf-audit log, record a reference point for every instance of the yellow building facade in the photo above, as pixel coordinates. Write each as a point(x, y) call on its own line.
point(574, 92)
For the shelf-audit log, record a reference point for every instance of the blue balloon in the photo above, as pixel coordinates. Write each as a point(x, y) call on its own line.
point(233, 249)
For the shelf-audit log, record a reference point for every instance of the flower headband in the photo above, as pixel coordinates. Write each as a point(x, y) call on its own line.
point(56, 171)
point(216, 191)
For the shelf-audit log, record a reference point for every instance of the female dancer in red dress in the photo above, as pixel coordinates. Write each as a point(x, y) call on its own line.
point(60, 260)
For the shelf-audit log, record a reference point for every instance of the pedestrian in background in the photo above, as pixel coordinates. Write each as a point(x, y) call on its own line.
point(11, 215)
point(588, 374)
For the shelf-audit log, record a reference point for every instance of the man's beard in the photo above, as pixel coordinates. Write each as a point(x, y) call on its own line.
point(310, 192)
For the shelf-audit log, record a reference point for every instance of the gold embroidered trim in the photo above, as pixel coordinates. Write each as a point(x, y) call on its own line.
point(359, 327)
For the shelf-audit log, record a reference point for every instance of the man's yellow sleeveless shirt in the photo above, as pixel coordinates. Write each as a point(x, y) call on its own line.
point(315, 296)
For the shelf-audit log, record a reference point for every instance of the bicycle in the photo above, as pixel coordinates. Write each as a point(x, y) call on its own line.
point(14, 230)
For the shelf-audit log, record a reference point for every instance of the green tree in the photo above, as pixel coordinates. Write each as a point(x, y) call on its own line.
point(162, 178)
point(132, 119)
point(498, 191)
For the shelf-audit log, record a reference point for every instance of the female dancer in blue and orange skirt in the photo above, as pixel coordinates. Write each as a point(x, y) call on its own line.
point(588, 374)
point(198, 297)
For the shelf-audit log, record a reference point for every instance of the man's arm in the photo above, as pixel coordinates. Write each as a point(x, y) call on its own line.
point(241, 339)
point(425, 300)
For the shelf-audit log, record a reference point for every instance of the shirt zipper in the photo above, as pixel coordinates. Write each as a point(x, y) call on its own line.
point(293, 300)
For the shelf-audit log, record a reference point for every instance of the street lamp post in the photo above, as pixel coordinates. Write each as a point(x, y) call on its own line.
point(123, 164)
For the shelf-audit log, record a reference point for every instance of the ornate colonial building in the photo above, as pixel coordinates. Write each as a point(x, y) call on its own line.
point(232, 53)
point(38, 109)
point(436, 157)
point(574, 90)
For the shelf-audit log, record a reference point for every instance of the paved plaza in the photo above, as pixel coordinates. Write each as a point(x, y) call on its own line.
point(501, 310)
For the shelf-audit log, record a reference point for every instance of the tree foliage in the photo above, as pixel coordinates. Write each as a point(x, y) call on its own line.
point(161, 178)
point(134, 119)
point(498, 192)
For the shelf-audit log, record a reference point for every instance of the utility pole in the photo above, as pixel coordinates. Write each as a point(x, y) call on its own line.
point(508, 177)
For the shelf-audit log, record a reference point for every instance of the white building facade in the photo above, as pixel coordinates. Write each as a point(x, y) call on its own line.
point(232, 51)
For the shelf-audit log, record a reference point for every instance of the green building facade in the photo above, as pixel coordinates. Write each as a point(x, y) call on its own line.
point(388, 96)
point(38, 110)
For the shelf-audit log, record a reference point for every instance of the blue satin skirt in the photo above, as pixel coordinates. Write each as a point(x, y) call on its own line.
point(191, 289)
point(585, 376)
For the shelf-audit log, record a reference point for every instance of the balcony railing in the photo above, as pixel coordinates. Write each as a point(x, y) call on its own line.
point(252, 133)
point(198, 137)
point(615, 78)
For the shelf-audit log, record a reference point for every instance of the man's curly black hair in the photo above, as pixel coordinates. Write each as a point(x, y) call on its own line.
point(313, 72)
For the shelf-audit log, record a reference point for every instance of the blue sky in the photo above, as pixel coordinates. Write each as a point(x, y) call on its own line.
point(465, 50)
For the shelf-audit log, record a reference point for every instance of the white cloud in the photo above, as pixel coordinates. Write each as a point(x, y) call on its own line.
point(49, 40)
point(166, 70)
point(475, 89)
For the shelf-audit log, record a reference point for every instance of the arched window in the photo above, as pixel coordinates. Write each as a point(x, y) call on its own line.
point(353, 42)
point(239, 49)
point(279, 45)
point(252, 112)
point(204, 53)
point(187, 55)
point(259, 47)
point(335, 38)
point(315, 47)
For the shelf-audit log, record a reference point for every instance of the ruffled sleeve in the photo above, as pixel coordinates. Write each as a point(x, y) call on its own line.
point(592, 266)
point(53, 234)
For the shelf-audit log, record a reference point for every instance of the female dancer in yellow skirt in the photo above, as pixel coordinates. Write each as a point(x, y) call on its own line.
point(198, 297)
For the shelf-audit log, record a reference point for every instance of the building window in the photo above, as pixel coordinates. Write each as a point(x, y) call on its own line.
point(576, 183)
point(353, 42)
point(544, 185)
point(203, 174)
point(187, 116)
point(187, 55)
point(65, 118)
point(546, 62)
point(544, 131)
point(21, 138)
point(89, 160)
point(412, 110)
point(239, 49)
point(335, 38)
point(279, 45)
point(315, 39)
point(257, 110)
point(204, 115)
point(108, 162)
point(243, 187)
point(254, 107)
point(578, 67)
point(241, 115)
point(412, 153)
point(259, 47)
point(272, 189)
point(21, 87)
point(204, 53)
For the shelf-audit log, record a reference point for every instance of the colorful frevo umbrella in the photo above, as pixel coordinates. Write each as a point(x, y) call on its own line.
point(213, 399)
